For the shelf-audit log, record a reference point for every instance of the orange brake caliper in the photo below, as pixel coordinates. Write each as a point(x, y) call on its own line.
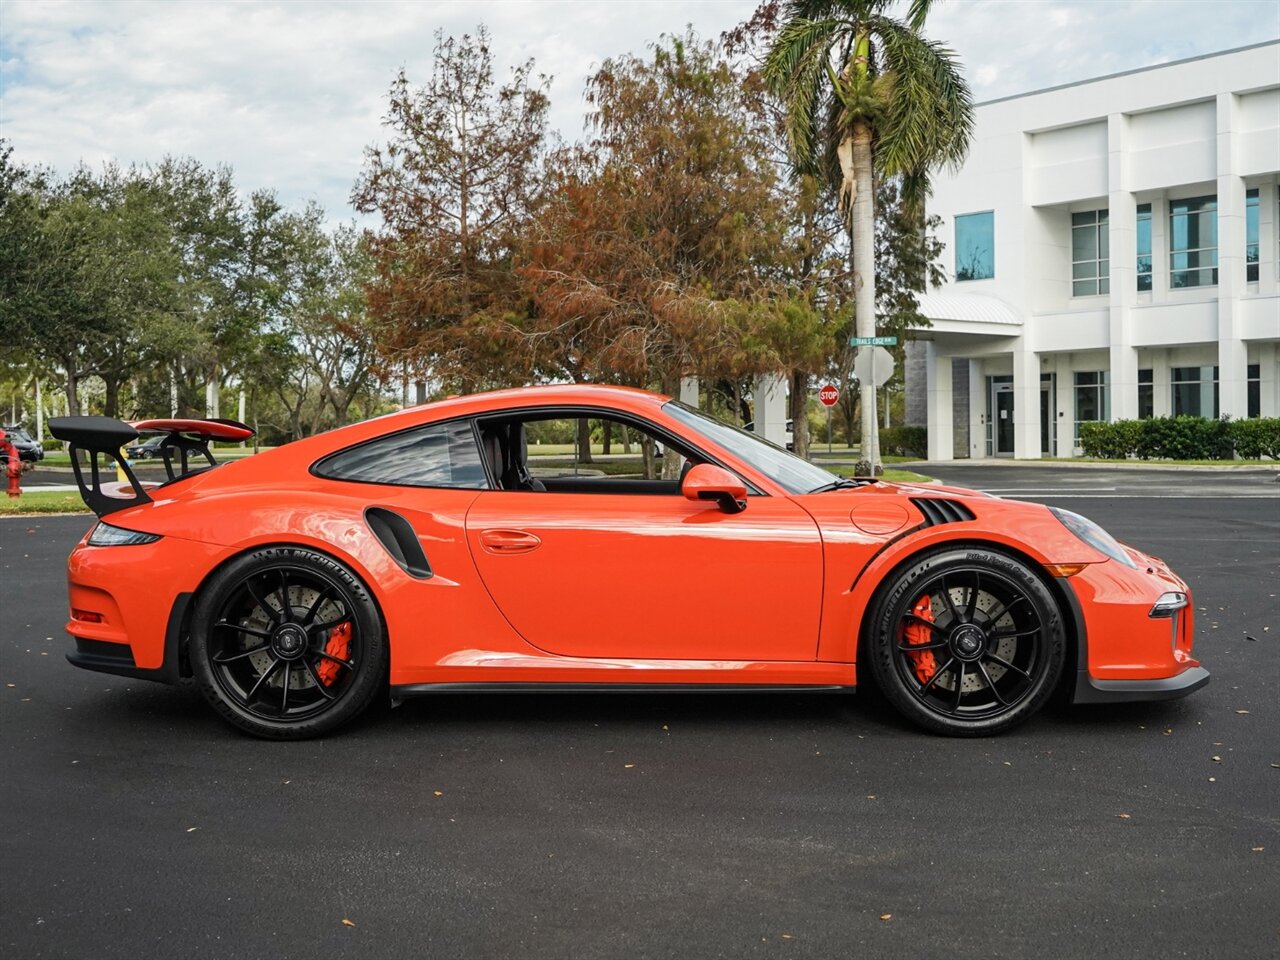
point(338, 645)
point(917, 634)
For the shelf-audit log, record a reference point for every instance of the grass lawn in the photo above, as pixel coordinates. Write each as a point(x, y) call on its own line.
point(41, 502)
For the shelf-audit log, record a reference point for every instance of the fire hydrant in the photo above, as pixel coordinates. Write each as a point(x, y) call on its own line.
point(13, 468)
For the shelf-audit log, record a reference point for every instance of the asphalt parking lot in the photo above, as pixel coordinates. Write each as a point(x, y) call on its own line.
point(136, 824)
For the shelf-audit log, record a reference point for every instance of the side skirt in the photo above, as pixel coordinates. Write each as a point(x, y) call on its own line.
point(400, 691)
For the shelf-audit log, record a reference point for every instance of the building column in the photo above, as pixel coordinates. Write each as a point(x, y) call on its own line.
point(1065, 402)
point(1161, 385)
point(1026, 402)
point(771, 408)
point(979, 397)
point(1268, 379)
point(689, 391)
point(1233, 396)
point(938, 403)
point(1122, 234)
point(1268, 230)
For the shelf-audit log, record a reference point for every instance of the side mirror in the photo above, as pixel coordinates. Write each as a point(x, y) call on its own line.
point(709, 482)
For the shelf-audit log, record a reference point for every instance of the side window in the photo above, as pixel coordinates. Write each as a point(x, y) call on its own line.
point(439, 455)
point(591, 454)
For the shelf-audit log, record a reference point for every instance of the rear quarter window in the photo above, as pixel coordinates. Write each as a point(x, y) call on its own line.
point(437, 455)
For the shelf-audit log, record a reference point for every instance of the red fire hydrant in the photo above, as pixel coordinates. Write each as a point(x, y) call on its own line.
point(14, 466)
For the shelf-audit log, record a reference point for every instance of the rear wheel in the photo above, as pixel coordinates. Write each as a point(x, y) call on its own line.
point(286, 643)
point(967, 642)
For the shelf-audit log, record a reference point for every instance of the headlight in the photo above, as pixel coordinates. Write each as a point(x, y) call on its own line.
point(1168, 604)
point(105, 535)
point(1094, 536)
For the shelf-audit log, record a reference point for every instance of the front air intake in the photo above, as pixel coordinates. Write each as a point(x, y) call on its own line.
point(936, 510)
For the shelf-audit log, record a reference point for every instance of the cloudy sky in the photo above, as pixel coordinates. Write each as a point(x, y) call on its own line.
point(289, 93)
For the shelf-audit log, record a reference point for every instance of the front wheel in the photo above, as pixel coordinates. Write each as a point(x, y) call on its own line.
point(966, 642)
point(286, 643)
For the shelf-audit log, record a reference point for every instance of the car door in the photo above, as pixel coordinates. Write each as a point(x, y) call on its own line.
point(638, 576)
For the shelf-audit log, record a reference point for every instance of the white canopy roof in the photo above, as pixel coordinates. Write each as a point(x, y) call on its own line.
point(968, 308)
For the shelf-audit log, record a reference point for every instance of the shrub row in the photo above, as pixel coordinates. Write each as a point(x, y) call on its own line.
point(904, 442)
point(1182, 438)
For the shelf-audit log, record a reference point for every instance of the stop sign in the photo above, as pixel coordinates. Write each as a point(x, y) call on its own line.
point(829, 395)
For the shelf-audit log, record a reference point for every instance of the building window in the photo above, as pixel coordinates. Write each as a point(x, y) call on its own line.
point(976, 246)
point(1253, 383)
point(1144, 246)
point(1093, 400)
point(1195, 391)
point(1090, 254)
point(1193, 242)
point(1146, 395)
point(1251, 235)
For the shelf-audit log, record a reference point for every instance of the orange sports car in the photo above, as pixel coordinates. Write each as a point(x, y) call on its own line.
point(464, 546)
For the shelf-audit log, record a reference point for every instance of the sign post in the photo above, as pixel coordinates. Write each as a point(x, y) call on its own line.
point(829, 395)
point(875, 366)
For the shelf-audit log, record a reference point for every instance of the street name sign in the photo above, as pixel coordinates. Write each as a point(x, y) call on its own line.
point(873, 341)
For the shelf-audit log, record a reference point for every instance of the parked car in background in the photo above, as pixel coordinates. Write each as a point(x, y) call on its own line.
point(145, 449)
point(29, 450)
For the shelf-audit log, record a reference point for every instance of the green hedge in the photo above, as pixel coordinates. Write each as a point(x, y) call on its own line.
point(904, 442)
point(1182, 438)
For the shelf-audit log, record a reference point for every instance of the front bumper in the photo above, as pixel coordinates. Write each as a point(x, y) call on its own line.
point(1129, 650)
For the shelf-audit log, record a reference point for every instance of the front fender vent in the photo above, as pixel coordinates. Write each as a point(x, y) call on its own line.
point(936, 510)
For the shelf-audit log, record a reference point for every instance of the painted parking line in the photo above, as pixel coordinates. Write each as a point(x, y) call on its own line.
point(1021, 490)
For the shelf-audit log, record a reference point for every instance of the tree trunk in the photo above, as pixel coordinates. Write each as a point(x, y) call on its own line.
point(111, 402)
point(584, 441)
point(73, 392)
point(862, 234)
point(800, 412)
point(607, 427)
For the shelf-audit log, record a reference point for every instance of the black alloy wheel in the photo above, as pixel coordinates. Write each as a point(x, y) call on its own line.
point(967, 642)
point(286, 643)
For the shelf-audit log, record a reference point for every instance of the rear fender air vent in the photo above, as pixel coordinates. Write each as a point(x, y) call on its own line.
point(937, 510)
point(397, 536)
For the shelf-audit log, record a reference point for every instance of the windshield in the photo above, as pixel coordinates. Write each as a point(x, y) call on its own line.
point(785, 469)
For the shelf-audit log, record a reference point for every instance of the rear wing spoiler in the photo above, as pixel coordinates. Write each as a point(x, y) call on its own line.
point(106, 437)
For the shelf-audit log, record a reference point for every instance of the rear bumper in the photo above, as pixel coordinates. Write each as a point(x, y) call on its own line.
point(1089, 690)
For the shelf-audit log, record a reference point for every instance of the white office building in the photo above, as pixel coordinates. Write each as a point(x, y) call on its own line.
point(1112, 253)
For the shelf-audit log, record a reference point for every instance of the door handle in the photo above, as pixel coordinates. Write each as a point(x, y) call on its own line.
point(508, 541)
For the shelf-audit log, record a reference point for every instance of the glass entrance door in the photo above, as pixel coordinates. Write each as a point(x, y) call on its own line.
point(1048, 424)
point(1000, 416)
point(1004, 421)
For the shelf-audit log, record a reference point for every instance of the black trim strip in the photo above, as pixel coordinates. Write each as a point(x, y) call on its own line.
point(419, 689)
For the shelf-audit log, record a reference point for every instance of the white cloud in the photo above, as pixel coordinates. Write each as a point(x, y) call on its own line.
point(291, 93)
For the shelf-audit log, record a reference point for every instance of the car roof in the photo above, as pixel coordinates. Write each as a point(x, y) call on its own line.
point(545, 395)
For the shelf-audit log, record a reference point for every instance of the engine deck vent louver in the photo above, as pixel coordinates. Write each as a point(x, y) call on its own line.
point(936, 510)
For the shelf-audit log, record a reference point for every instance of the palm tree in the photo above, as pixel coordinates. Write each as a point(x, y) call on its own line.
point(866, 94)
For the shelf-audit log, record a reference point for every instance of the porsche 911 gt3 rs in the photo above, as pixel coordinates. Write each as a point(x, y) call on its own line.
point(472, 544)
